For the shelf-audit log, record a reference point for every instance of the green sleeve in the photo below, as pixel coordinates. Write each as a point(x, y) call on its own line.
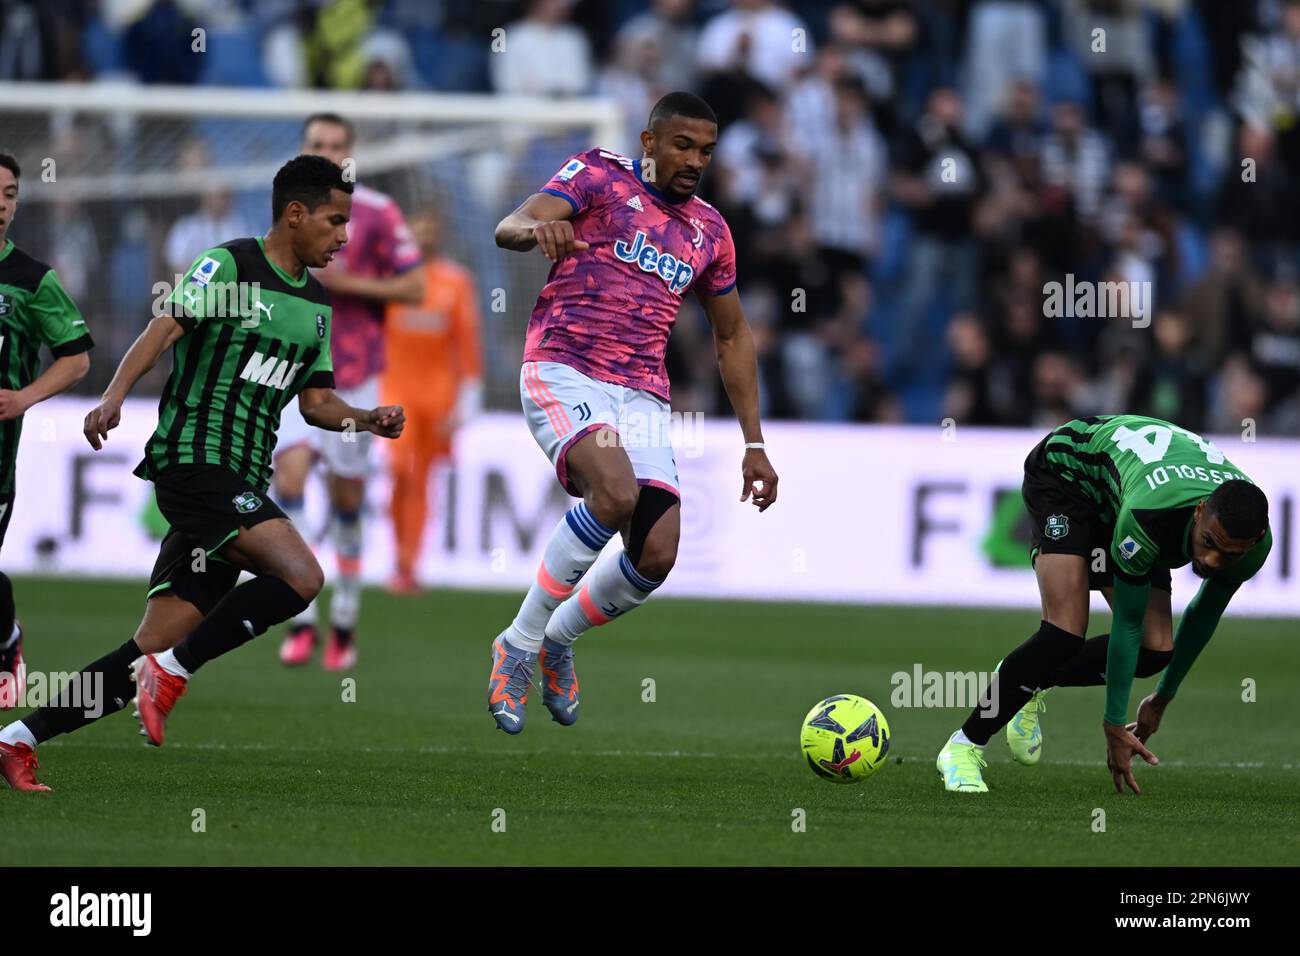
point(1130, 608)
point(209, 288)
point(55, 318)
point(1132, 550)
point(1194, 631)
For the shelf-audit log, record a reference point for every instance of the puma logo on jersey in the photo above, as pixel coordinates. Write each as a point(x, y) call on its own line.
point(270, 371)
point(265, 308)
point(677, 273)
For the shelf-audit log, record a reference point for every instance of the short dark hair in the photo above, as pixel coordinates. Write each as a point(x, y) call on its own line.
point(8, 162)
point(308, 180)
point(681, 103)
point(1241, 508)
point(329, 118)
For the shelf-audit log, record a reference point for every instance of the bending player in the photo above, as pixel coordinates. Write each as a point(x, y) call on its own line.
point(378, 266)
point(628, 241)
point(251, 330)
point(1149, 496)
point(34, 311)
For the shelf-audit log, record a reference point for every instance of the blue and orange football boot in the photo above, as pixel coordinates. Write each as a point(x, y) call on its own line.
point(512, 678)
point(559, 682)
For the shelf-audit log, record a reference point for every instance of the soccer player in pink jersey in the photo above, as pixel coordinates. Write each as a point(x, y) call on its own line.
point(380, 264)
point(628, 241)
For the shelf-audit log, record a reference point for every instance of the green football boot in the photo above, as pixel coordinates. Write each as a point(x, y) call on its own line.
point(960, 766)
point(1025, 732)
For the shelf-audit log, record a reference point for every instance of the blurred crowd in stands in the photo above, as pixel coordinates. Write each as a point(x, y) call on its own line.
point(903, 179)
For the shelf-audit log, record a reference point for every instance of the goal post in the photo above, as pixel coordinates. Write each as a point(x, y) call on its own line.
point(109, 169)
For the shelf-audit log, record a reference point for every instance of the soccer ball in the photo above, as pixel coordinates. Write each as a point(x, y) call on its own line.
point(845, 738)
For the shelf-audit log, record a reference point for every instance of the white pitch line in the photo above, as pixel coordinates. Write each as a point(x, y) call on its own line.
point(653, 754)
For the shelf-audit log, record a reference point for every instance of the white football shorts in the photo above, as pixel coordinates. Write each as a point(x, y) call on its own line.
point(347, 453)
point(561, 405)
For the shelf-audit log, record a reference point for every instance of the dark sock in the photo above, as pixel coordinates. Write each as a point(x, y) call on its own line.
point(7, 610)
point(1028, 666)
point(344, 635)
point(101, 688)
point(240, 616)
point(1088, 667)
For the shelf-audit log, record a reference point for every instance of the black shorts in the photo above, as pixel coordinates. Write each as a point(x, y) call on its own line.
point(7, 504)
point(186, 570)
point(1063, 520)
point(210, 503)
point(206, 506)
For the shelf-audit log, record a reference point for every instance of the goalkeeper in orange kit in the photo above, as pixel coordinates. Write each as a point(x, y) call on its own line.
point(435, 363)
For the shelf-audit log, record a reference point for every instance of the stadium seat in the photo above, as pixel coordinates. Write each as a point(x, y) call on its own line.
point(234, 58)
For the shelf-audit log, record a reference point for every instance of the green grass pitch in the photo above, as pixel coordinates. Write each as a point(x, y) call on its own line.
point(710, 772)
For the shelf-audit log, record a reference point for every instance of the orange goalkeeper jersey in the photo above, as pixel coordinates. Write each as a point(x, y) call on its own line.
point(434, 346)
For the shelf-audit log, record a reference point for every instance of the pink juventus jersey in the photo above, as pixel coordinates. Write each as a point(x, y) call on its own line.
point(379, 245)
point(607, 310)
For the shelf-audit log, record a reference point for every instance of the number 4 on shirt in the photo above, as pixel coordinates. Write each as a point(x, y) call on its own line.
point(1150, 442)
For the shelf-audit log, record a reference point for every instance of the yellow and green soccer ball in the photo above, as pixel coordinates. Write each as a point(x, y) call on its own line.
point(845, 738)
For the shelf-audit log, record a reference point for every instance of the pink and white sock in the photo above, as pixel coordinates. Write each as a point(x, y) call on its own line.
point(573, 547)
point(614, 588)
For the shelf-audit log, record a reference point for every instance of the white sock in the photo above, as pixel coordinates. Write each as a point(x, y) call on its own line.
point(296, 511)
point(17, 733)
point(960, 738)
point(345, 601)
point(167, 661)
point(11, 639)
point(614, 588)
point(573, 547)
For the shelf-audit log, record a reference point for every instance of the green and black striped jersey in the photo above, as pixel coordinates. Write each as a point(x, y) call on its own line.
point(1147, 477)
point(34, 311)
point(255, 337)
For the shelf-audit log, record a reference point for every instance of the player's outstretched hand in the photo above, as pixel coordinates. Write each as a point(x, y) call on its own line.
point(758, 478)
point(556, 239)
point(1121, 745)
point(387, 421)
point(1150, 712)
point(11, 405)
point(102, 419)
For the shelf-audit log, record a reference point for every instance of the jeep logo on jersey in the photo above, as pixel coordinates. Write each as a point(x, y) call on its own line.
point(270, 371)
point(320, 325)
point(1057, 527)
point(674, 271)
point(246, 502)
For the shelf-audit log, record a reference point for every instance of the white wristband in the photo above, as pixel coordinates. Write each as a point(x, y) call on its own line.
point(755, 444)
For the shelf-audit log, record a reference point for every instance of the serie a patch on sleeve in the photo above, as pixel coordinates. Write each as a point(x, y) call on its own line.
point(203, 274)
point(571, 169)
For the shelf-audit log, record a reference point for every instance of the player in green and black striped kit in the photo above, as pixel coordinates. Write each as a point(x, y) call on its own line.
point(34, 311)
point(1116, 501)
point(250, 327)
